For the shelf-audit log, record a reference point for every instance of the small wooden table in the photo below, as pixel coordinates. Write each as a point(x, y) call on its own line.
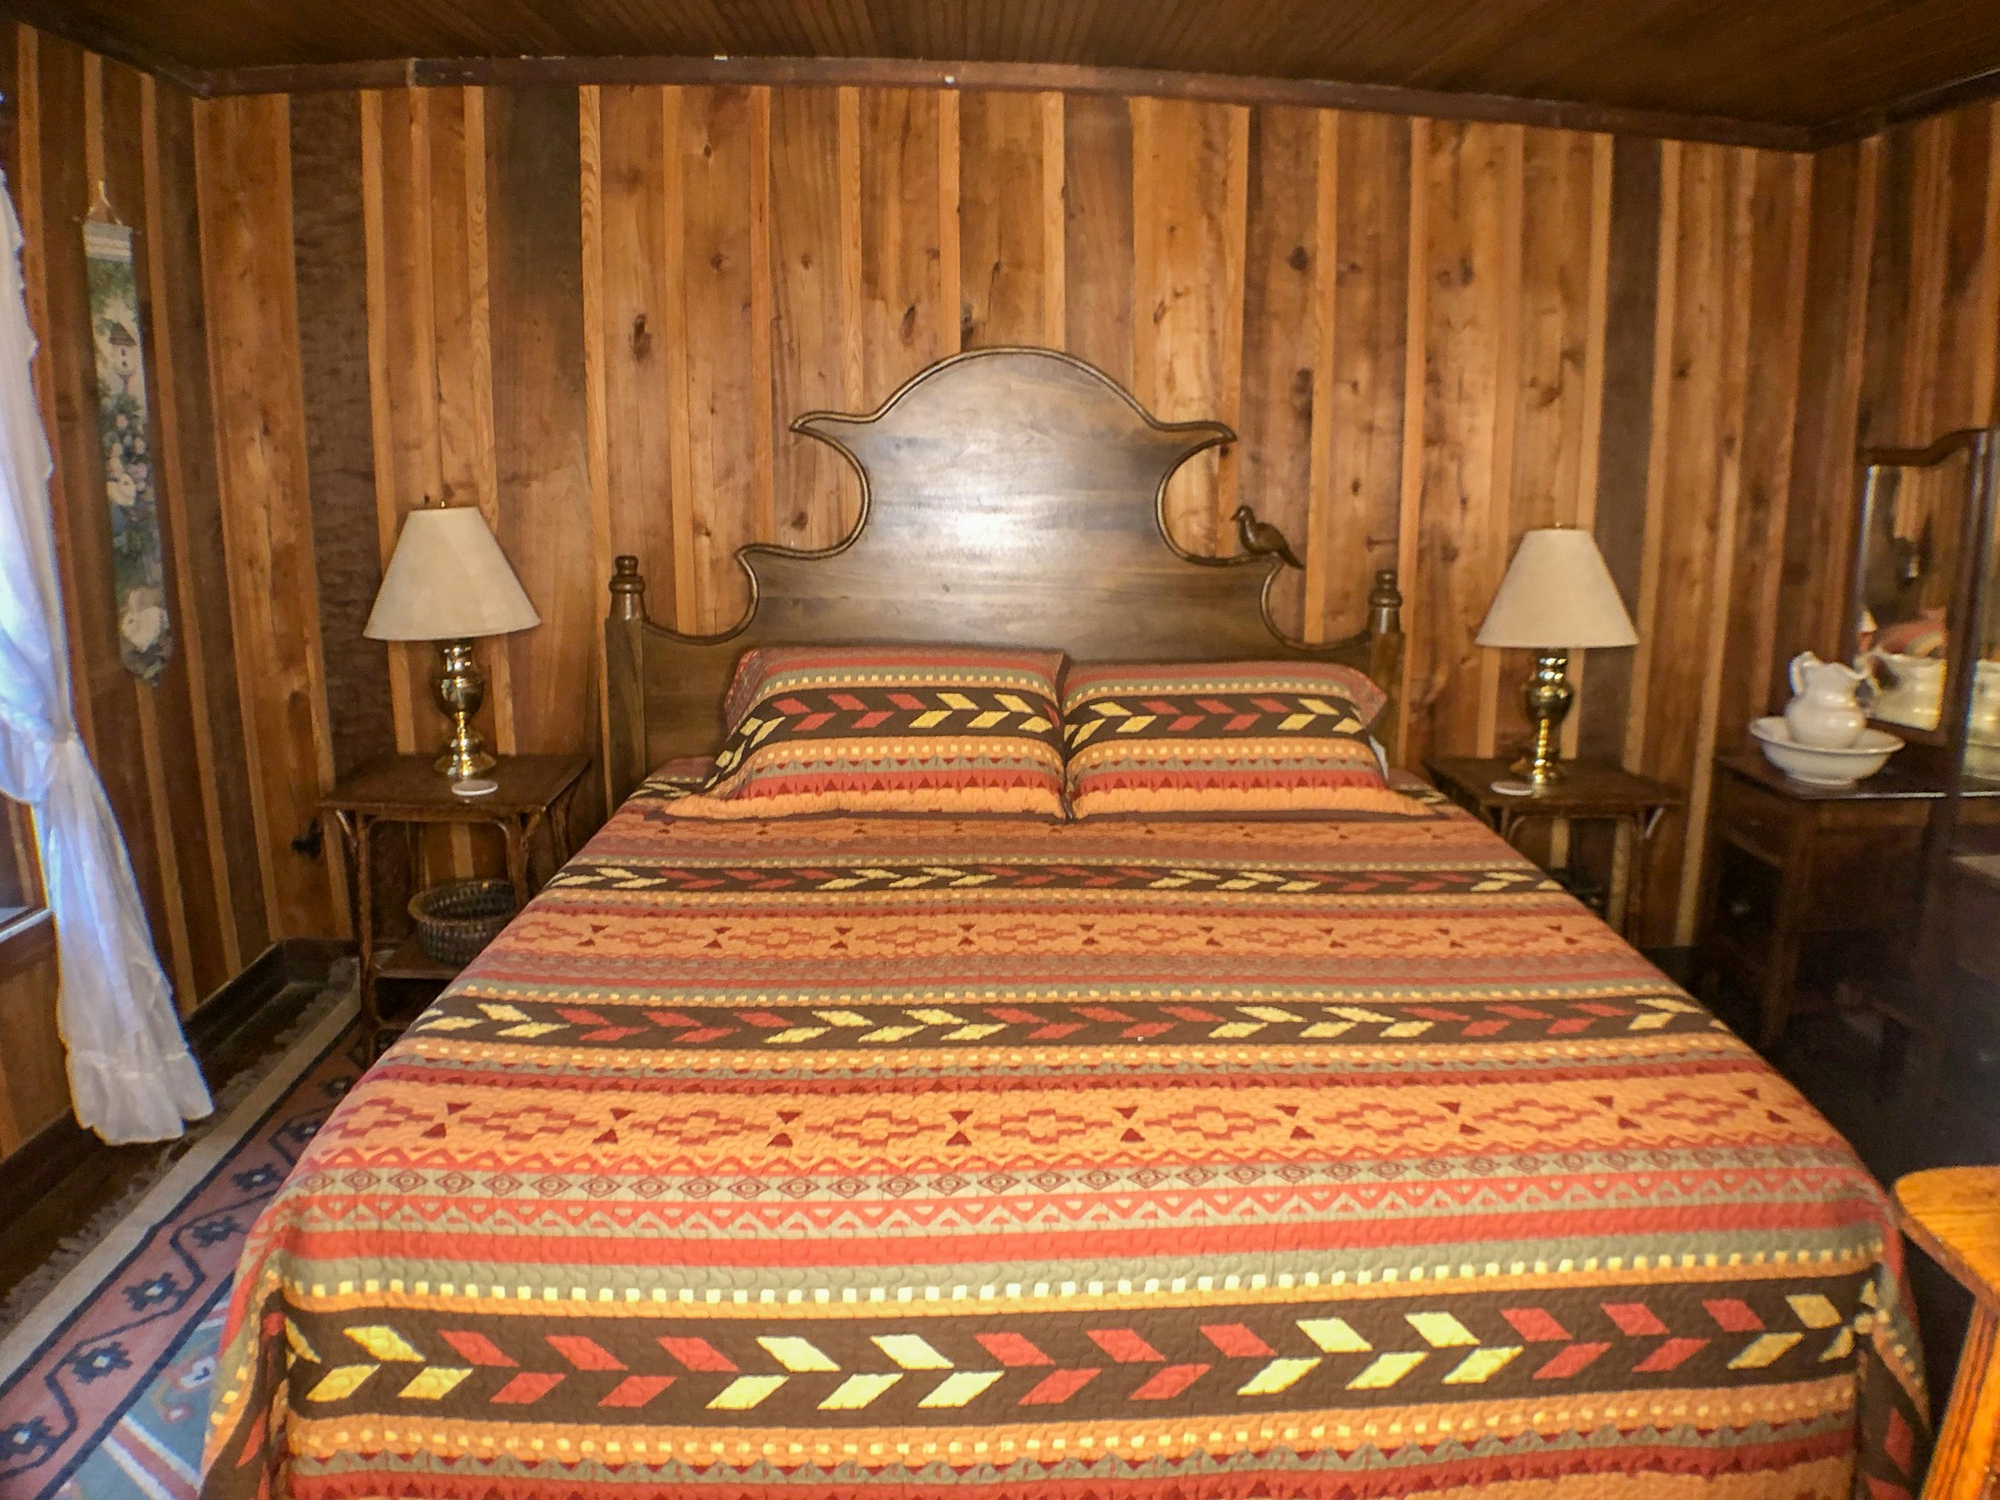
point(1790, 864)
point(1590, 791)
point(534, 791)
point(1953, 1215)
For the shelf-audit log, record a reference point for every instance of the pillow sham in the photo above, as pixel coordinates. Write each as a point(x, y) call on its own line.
point(1224, 738)
point(887, 729)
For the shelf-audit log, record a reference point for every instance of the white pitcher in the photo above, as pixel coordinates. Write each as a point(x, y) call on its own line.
point(1825, 714)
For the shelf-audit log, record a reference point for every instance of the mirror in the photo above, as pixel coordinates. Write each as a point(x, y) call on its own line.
point(1921, 570)
point(1982, 720)
point(1909, 518)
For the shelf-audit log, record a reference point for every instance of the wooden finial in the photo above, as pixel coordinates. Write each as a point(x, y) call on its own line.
point(1385, 604)
point(628, 589)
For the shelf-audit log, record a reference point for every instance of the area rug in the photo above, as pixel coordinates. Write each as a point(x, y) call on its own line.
point(104, 1386)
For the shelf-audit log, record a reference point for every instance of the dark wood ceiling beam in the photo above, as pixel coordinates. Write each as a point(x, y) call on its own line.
point(1866, 122)
point(56, 18)
point(894, 72)
point(62, 19)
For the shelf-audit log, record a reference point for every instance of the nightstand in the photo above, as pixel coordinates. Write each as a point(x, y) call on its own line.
point(1590, 791)
point(1953, 1215)
point(534, 794)
point(1793, 867)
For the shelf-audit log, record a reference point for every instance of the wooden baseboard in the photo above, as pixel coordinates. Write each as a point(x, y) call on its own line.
point(58, 1148)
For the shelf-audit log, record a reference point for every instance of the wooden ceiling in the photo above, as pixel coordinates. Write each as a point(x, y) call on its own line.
point(1771, 62)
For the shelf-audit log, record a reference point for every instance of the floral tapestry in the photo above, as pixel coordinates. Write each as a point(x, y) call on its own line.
point(138, 574)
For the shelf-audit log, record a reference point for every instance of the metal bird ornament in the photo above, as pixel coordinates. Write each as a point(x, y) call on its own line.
point(1262, 538)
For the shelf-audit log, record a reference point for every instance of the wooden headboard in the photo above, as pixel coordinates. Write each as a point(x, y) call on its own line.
point(1008, 497)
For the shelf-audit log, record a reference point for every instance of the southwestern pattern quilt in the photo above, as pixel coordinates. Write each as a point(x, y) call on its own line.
point(981, 1158)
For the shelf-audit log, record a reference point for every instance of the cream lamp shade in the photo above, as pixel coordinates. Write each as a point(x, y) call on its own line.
point(448, 580)
point(1557, 595)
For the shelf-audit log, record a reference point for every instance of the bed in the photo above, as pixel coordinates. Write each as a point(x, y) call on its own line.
point(1001, 1156)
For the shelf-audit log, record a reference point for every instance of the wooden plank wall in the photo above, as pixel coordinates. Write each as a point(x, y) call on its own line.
point(1327, 282)
point(174, 756)
point(593, 313)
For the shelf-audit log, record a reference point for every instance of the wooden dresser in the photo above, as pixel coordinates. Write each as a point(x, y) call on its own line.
point(1793, 867)
point(1953, 1215)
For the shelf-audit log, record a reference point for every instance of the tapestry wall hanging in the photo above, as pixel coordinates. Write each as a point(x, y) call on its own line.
point(138, 572)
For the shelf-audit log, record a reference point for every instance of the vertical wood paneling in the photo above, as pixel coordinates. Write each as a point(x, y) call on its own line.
point(949, 252)
point(1698, 437)
point(627, 193)
point(904, 321)
point(812, 315)
point(330, 260)
point(1969, 294)
point(1283, 314)
point(1659, 452)
point(1190, 185)
point(1926, 503)
point(595, 313)
point(1946, 373)
point(1899, 219)
point(242, 152)
point(193, 505)
point(1559, 391)
point(1410, 465)
point(1624, 447)
point(1812, 591)
point(1055, 224)
point(729, 429)
point(402, 349)
point(188, 926)
point(1097, 232)
point(1468, 259)
point(1004, 268)
point(596, 421)
point(1324, 555)
point(679, 424)
point(1359, 399)
point(541, 465)
point(461, 326)
point(200, 841)
point(1781, 208)
point(431, 418)
point(34, 187)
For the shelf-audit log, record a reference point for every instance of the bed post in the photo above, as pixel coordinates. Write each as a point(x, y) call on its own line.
point(1385, 657)
point(625, 677)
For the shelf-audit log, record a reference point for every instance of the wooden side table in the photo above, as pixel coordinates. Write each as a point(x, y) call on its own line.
point(1953, 1215)
point(1590, 791)
point(1790, 865)
point(534, 792)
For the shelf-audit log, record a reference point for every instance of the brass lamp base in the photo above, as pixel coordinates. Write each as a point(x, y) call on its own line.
point(1548, 696)
point(460, 689)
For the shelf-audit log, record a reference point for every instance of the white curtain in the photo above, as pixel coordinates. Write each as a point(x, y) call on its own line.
point(130, 1075)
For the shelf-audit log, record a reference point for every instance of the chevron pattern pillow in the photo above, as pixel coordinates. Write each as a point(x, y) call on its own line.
point(1225, 738)
point(887, 729)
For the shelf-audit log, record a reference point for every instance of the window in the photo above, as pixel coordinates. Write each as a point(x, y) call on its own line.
point(20, 867)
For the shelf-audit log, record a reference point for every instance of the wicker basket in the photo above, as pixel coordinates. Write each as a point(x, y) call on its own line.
point(457, 919)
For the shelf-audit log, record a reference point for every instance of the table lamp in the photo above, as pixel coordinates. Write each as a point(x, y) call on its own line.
point(448, 581)
point(1557, 596)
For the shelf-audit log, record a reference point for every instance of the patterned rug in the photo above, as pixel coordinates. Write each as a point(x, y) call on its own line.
point(104, 1386)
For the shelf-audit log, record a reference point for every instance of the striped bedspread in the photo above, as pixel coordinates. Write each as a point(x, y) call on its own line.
point(1007, 1158)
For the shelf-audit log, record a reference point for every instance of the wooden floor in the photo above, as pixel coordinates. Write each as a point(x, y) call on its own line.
point(1833, 1062)
point(34, 1232)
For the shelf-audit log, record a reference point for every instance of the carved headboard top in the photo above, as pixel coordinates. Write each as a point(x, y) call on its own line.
point(1009, 497)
